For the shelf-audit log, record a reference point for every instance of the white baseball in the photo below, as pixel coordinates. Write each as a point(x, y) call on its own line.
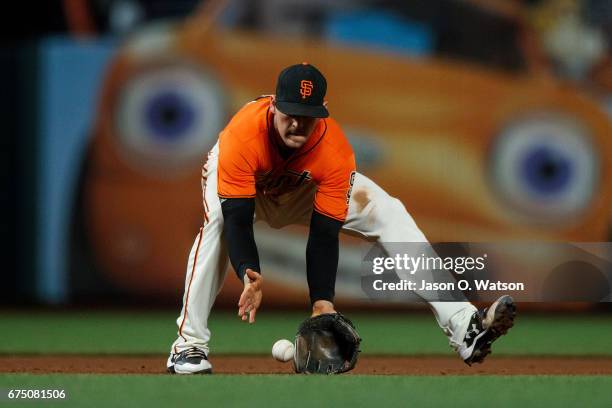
point(283, 350)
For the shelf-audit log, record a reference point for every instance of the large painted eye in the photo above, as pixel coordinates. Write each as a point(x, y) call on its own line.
point(546, 167)
point(167, 118)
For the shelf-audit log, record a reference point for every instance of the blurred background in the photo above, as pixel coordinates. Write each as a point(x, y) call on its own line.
point(490, 120)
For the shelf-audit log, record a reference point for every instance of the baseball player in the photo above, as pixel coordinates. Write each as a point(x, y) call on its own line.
point(283, 160)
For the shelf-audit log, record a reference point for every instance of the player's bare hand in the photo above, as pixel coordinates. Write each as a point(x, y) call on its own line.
point(321, 307)
point(250, 299)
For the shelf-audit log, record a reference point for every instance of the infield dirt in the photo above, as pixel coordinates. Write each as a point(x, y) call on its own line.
point(248, 364)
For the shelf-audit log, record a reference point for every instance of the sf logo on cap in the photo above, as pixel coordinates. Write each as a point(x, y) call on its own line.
point(305, 88)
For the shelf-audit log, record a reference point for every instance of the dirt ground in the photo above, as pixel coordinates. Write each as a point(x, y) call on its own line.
point(379, 365)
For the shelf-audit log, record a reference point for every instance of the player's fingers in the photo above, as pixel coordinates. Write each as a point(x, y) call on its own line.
point(244, 296)
point(256, 278)
point(246, 307)
point(252, 316)
point(241, 307)
point(252, 274)
point(244, 299)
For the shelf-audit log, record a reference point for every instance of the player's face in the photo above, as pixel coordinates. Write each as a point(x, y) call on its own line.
point(294, 131)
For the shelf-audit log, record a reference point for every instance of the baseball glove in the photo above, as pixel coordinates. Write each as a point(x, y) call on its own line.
point(326, 344)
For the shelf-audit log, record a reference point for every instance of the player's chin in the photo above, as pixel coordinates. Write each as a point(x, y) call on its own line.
point(295, 141)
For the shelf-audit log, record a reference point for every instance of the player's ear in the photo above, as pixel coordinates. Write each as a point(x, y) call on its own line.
point(273, 104)
point(325, 104)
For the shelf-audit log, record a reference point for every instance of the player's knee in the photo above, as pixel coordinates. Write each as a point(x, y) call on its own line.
point(390, 211)
point(394, 210)
point(391, 207)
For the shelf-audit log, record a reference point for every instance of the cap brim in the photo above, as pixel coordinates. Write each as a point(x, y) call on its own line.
point(300, 109)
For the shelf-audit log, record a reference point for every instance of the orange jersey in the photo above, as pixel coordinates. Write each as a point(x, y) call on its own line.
point(250, 164)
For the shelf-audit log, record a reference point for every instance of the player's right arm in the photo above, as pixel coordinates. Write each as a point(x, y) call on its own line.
point(236, 189)
point(238, 231)
point(240, 242)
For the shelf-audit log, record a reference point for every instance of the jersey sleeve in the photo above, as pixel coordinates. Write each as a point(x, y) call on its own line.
point(334, 190)
point(236, 168)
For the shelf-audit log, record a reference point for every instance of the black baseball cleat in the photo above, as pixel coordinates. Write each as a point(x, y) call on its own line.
point(484, 327)
point(190, 361)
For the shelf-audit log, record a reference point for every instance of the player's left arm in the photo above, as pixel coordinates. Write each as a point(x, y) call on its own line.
point(322, 250)
point(322, 261)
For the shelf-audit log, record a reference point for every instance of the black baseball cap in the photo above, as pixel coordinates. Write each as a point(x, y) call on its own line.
point(300, 91)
